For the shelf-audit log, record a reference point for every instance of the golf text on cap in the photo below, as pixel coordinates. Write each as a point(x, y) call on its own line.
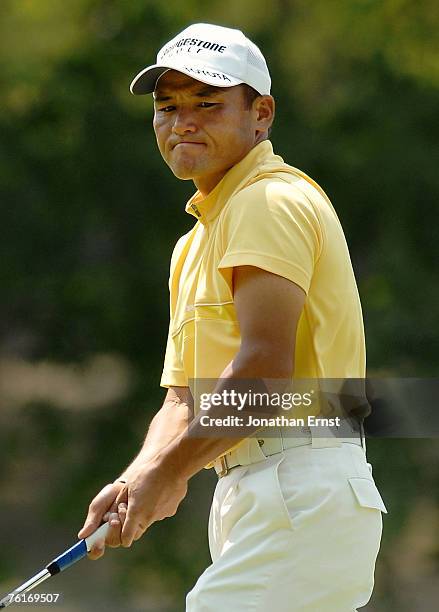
point(208, 73)
point(188, 44)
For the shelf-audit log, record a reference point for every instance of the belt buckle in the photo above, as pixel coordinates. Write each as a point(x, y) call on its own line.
point(224, 467)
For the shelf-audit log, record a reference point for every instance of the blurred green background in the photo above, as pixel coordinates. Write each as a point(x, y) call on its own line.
point(90, 215)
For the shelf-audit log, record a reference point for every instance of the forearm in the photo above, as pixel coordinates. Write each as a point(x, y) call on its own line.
point(168, 423)
point(190, 452)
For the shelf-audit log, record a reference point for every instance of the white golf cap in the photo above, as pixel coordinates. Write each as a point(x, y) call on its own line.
point(212, 54)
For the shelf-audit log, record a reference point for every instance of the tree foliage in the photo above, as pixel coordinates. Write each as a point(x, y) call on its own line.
point(90, 212)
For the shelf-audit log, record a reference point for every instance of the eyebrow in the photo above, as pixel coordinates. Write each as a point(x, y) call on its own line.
point(206, 92)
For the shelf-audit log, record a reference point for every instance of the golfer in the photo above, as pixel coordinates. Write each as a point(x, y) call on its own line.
point(262, 287)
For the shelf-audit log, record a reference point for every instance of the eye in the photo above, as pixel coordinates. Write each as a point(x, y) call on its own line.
point(166, 109)
point(207, 104)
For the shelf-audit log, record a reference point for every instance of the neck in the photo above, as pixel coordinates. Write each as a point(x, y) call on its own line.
point(206, 184)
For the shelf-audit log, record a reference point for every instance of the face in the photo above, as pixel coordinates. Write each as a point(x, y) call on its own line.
point(202, 131)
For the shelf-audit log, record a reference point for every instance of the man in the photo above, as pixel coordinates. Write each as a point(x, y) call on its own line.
point(261, 288)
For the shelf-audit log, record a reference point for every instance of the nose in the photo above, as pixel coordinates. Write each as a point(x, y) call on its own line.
point(184, 122)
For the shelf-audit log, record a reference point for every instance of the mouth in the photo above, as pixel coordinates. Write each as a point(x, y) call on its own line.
point(188, 143)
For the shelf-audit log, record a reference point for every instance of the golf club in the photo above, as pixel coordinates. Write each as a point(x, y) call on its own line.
point(62, 562)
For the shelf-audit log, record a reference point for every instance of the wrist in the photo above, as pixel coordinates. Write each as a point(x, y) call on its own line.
point(172, 460)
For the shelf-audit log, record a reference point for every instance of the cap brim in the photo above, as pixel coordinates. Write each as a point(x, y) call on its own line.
point(145, 82)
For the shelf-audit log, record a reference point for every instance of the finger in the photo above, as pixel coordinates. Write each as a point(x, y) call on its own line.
point(97, 551)
point(122, 511)
point(139, 534)
point(114, 520)
point(122, 497)
point(130, 527)
point(114, 531)
point(97, 508)
point(92, 522)
point(114, 506)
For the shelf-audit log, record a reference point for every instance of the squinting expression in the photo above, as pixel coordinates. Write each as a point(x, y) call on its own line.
point(202, 131)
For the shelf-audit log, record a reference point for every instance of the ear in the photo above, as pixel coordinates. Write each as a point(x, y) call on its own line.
point(264, 110)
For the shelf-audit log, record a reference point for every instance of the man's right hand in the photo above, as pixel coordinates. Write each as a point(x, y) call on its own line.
point(103, 508)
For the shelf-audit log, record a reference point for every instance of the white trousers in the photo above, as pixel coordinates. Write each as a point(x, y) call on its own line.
point(298, 532)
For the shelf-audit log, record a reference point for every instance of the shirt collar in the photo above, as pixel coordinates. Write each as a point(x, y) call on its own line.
point(205, 209)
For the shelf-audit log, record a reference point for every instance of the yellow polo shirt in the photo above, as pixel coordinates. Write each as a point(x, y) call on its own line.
point(267, 214)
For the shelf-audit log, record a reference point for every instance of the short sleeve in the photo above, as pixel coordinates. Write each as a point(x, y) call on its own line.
point(173, 373)
point(274, 226)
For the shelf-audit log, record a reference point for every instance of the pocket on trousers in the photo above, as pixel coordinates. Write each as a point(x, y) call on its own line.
point(281, 498)
point(367, 494)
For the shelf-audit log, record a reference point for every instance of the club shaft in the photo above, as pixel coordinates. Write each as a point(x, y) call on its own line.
point(26, 586)
point(62, 562)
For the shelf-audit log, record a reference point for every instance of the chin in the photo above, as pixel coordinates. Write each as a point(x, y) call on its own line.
point(182, 174)
point(185, 169)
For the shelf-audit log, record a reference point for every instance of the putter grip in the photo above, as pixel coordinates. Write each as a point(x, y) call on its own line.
point(99, 534)
point(77, 551)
